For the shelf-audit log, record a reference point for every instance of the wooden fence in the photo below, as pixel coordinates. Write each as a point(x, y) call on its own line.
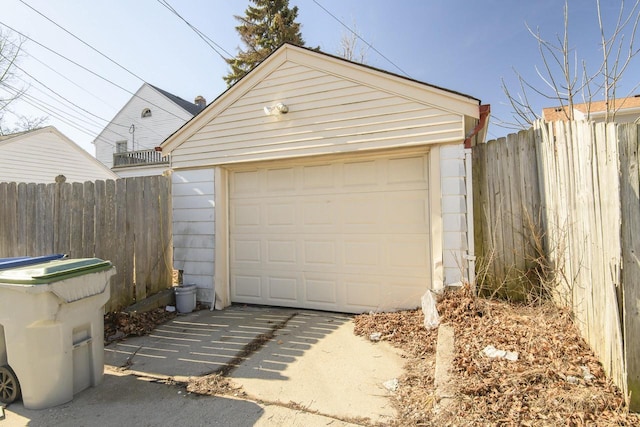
point(557, 209)
point(126, 221)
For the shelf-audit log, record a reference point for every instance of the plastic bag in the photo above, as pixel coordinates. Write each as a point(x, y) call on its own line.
point(431, 317)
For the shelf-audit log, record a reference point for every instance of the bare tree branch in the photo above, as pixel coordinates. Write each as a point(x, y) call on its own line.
point(10, 51)
point(349, 46)
point(561, 79)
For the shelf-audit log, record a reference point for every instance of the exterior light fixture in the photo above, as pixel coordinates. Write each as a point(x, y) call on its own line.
point(277, 109)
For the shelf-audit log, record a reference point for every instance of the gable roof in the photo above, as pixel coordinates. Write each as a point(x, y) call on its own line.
point(375, 78)
point(190, 107)
point(595, 107)
point(8, 138)
point(72, 161)
point(359, 64)
point(13, 135)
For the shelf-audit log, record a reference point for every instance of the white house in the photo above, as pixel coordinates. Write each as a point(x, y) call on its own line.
point(127, 144)
point(319, 183)
point(42, 154)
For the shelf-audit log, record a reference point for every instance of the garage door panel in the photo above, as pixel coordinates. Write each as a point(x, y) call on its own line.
point(361, 174)
point(319, 252)
point(407, 170)
point(402, 294)
point(281, 251)
point(348, 236)
point(321, 289)
point(246, 182)
point(361, 210)
point(318, 212)
point(280, 180)
point(406, 253)
point(365, 295)
point(248, 251)
point(364, 253)
point(283, 288)
point(412, 206)
point(318, 177)
point(281, 213)
point(247, 286)
point(246, 215)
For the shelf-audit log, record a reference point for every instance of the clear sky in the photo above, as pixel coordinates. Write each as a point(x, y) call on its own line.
point(463, 45)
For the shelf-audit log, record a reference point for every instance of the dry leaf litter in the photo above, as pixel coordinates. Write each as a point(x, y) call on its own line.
point(120, 325)
point(555, 380)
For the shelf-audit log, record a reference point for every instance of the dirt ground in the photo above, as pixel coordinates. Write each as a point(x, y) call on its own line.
point(555, 381)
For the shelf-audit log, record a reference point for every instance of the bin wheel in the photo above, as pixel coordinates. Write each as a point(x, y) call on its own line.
point(9, 386)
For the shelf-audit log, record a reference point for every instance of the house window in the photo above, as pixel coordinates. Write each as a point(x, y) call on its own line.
point(146, 113)
point(121, 147)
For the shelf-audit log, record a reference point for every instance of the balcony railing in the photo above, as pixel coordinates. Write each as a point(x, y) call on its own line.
point(140, 157)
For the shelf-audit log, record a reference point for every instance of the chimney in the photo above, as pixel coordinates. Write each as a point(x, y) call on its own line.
point(200, 101)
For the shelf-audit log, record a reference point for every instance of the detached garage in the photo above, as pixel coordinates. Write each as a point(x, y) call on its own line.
point(315, 182)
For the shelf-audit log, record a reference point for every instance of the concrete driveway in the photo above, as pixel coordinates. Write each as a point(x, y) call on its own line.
point(294, 367)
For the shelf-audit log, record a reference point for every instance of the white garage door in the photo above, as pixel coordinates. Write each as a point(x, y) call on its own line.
point(348, 235)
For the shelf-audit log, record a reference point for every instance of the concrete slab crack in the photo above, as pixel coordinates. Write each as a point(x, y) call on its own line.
point(253, 346)
point(127, 363)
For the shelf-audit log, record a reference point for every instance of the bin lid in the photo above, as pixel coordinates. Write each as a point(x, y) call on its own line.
point(27, 260)
point(53, 271)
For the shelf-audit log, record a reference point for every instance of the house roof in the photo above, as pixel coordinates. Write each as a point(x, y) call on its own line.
point(13, 135)
point(234, 92)
point(17, 139)
point(620, 104)
point(186, 105)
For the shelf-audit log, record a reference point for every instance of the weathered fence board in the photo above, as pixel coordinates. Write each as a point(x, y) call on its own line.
point(125, 221)
point(557, 190)
point(76, 226)
point(506, 208)
point(123, 286)
point(630, 198)
point(89, 218)
point(139, 246)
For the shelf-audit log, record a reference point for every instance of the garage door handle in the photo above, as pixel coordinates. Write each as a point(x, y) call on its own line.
point(82, 342)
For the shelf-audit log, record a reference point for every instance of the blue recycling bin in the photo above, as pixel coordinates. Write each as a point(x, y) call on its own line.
point(27, 260)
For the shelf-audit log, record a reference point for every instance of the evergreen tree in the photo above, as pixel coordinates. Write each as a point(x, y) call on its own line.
point(265, 26)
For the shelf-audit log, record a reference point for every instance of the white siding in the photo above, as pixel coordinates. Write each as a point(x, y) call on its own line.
point(166, 118)
point(193, 228)
point(39, 156)
point(327, 114)
point(454, 219)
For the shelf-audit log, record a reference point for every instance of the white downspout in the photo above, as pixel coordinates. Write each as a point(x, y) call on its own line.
point(485, 111)
point(471, 257)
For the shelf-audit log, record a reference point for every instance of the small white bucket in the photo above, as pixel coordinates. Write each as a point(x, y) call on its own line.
point(185, 298)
